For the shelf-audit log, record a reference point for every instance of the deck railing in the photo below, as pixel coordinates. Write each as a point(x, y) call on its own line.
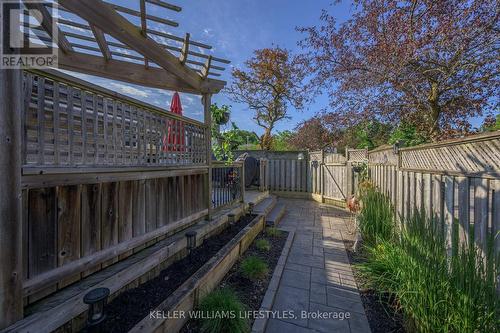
point(70, 123)
point(227, 184)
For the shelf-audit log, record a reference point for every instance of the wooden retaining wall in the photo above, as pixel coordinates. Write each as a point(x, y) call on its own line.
point(457, 181)
point(72, 231)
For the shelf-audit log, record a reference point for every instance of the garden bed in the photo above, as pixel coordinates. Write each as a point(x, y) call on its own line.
point(250, 291)
point(379, 310)
point(130, 307)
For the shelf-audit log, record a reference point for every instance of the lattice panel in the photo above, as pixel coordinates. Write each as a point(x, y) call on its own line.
point(66, 125)
point(468, 156)
point(357, 155)
point(386, 157)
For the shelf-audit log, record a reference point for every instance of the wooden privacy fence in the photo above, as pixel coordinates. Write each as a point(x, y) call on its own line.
point(328, 175)
point(287, 175)
point(457, 181)
point(228, 184)
point(101, 179)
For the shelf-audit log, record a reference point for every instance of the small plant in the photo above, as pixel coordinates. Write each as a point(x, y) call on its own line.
point(263, 245)
point(273, 232)
point(254, 268)
point(376, 220)
point(227, 306)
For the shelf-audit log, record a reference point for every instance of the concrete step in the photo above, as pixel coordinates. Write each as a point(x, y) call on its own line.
point(265, 206)
point(275, 215)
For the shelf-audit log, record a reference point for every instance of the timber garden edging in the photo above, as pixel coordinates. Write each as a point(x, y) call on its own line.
point(202, 282)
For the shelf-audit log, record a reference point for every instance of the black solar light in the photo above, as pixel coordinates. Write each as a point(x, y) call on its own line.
point(231, 218)
point(251, 206)
point(395, 147)
point(96, 300)
point(300, 156)
point(191, 242)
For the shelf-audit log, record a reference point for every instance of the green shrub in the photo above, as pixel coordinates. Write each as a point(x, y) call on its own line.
point(223, 301)
point(436, 293)
point(263, 245)
point(254, 268)
point(273, 232)
point(376, 219)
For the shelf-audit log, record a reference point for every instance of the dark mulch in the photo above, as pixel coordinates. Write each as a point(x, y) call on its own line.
point(379, 309)
point(251, 292)
point(133, 305)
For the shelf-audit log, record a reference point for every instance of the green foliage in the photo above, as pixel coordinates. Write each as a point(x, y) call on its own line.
point(219, 113)
point(223, 301)
point(223, 142)
point(254, 268)
point(281, 141)
point(263, 245)
point(376, 220)
point(408, 135)
point(436, 293)
point(367, 134)
point(273, 232)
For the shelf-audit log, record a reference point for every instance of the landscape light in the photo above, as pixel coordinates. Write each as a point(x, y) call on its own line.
point(96, 300)
point(251, 206)
point(300, 156)
point(191, 241)
point(231, 218)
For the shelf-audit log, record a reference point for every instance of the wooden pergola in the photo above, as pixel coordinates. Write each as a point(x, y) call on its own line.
point(111, 41)
point(106, 37)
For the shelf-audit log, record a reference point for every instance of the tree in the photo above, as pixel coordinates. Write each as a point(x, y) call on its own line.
point(270, 84)
point(366, 134)
point(432, 64)
point(312, 134)
point(281, 141)
point(491, 123)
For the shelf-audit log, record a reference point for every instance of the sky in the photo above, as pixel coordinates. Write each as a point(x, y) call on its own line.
point(235, 29)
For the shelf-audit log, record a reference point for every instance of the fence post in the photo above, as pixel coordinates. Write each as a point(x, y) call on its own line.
point(11, 274)
point(242, 182)
point(321, 176)
point(206, 101)
point(348, 173)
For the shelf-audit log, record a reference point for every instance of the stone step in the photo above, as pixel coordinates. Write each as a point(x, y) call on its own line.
point(265, 206)
point(275, 215)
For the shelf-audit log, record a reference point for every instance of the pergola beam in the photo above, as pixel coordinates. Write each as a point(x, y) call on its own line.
point(101, 41)
point(185, 50)
point(133, 73)
point(102, 15)
point(132, 12)
point(165, 5)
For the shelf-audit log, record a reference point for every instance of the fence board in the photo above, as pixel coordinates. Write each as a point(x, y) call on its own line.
point(125, 213)
point(109, 218)
point(481, 212)
point(68, 227)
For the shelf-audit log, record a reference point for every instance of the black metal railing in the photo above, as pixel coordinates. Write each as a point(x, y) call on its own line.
point(227, 184)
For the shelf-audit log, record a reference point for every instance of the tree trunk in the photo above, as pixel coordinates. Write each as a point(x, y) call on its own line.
point(266, 139)
point(435, 110)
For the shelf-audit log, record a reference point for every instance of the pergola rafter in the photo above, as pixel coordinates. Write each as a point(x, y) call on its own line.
point(184, 70)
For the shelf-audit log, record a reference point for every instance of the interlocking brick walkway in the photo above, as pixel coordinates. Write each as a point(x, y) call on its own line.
point(317, 276)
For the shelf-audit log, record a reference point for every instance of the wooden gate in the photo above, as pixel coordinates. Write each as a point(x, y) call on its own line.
point(332, 177)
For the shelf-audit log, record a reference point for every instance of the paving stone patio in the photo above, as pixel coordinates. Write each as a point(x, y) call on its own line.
point(317, 277)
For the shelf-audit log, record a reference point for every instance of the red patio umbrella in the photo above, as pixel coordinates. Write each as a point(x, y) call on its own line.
point(174, 139)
